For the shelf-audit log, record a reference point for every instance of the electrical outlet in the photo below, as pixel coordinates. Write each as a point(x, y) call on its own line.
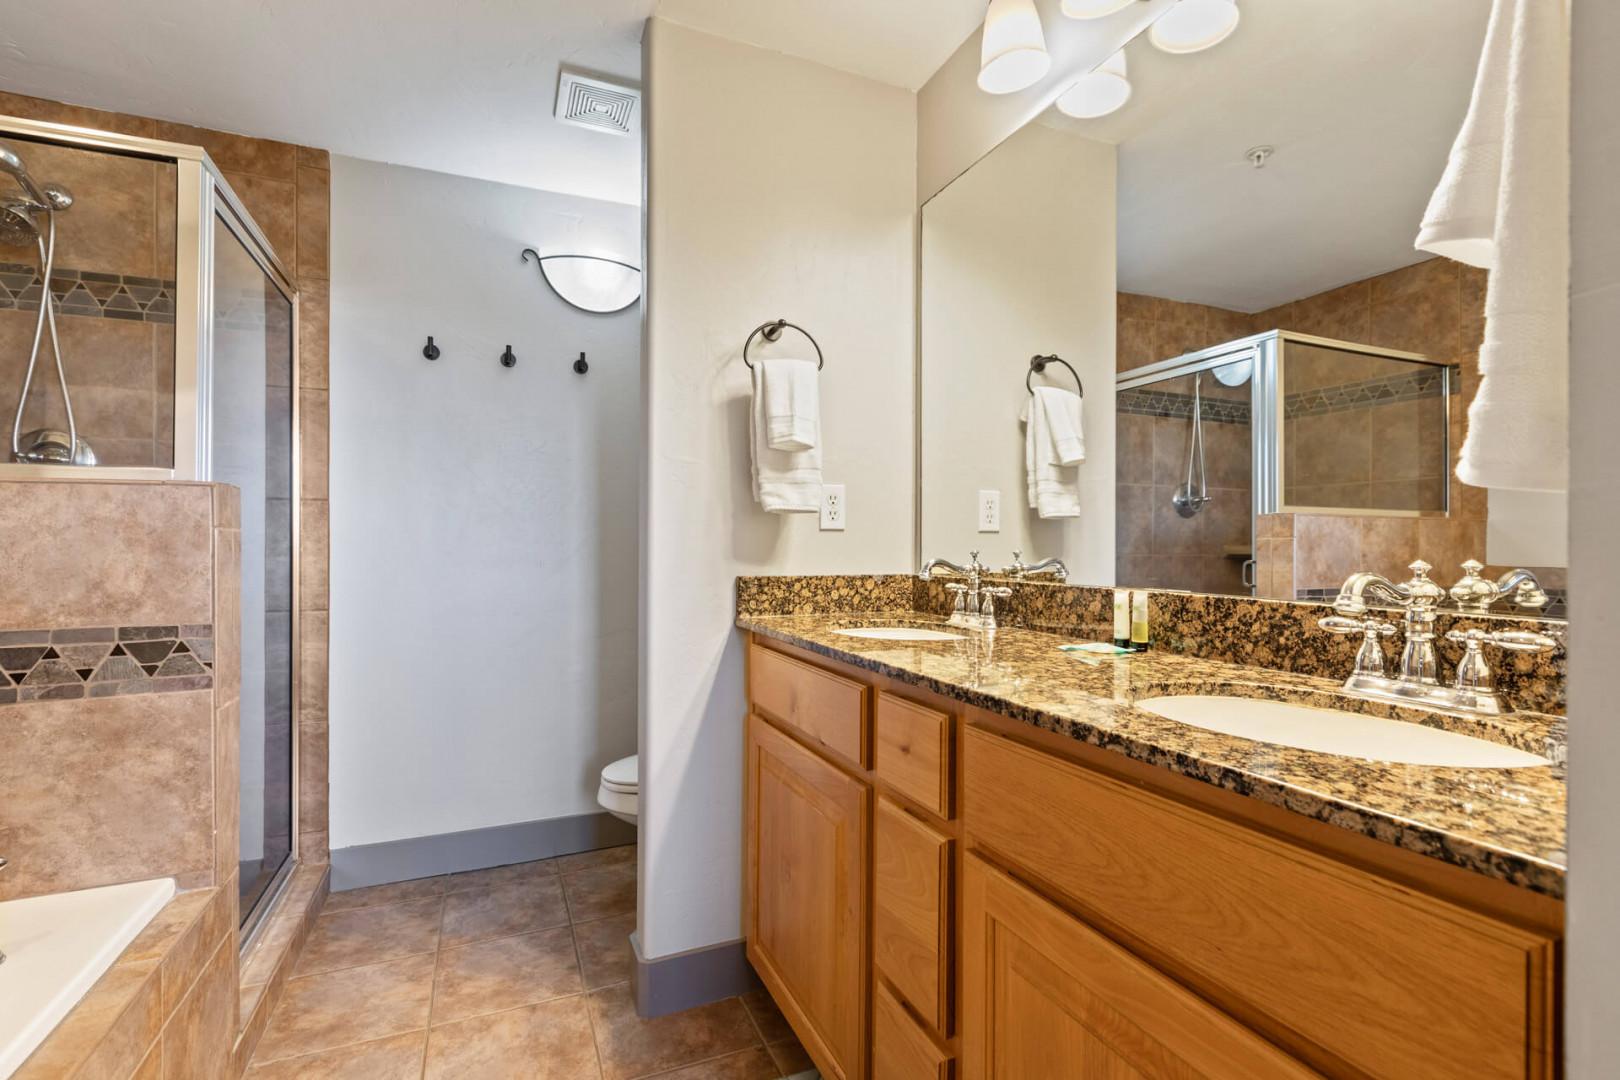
point(832, 508)
point(989, 511)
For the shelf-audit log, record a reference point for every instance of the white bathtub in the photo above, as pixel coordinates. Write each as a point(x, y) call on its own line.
point(56, 947)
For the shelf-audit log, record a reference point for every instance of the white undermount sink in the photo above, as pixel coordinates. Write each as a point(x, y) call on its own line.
point(1329, 731)
point(898, 633)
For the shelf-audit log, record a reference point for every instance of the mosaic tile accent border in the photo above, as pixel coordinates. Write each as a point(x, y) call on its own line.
point(1386, 390)
point(89, 293)
point(103, 661)
point(1145, 402)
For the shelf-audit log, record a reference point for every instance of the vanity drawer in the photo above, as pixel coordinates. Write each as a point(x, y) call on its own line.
point(1356, 974)
point(911, 875)
point(900, 1049)
point(913, 752)
point(828, 708)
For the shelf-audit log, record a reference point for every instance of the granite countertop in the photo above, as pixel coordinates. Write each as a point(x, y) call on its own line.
point(1504, 823)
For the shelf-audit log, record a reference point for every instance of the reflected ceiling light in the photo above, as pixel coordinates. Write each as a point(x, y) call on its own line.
point(1013, 55)
point(1193, 25)
point(1093, 9)
point(1098, 92)
point(589, 282)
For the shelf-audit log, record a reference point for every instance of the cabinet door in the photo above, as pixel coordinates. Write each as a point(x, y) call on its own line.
point(807, 849)
point(1048, 998)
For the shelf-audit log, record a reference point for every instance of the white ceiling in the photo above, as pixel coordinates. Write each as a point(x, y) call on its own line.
point(1361, 100)
point(465, 87)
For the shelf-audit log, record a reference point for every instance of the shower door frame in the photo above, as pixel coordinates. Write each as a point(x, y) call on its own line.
point(204, 200)
point(1268, 351)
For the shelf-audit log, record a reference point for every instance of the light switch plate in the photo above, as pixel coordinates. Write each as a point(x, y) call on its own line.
point(989, 511)
point(832, 508)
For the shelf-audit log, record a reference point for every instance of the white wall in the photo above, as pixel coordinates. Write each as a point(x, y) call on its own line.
point(483, 649)
point(1592, 1017)
point(1018, 260)
point(776, 187)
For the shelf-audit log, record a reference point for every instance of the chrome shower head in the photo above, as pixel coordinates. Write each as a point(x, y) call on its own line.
point(18, 224)
point(11, 163)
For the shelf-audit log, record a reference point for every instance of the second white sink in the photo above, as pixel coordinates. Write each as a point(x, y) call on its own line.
point(898, 633)
point(1329, 731)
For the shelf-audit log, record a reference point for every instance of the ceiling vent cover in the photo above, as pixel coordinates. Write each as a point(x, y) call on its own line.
point(595, 104)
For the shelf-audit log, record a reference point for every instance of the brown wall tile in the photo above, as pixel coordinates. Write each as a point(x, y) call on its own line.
point(227, 614)
point(314, 302)
point(197, 1039)
point(312, 672)
point(314, 211)
point(313, 554)
point(227, 789)
point(56, 112)
point(312, 426)
point(236, 153)
point(272, 204)
point(97, 553)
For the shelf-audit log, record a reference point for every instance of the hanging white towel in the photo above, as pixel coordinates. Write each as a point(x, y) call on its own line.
point(1062, 408)
point(1052, 487)
point(785, 481)
point(1503, 204)
point(792, 403)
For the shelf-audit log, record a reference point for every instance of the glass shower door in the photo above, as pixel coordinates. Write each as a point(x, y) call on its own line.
point(251, 440)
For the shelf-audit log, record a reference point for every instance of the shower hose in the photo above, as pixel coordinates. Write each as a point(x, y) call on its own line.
point(46, 319)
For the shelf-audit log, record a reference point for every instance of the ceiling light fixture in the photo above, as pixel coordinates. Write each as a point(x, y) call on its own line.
point(1193, 25)
point(1098, 92)
point(1094, 9)
point(1013, 54)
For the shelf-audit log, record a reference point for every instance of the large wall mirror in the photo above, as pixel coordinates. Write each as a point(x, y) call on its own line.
point(1272, 381)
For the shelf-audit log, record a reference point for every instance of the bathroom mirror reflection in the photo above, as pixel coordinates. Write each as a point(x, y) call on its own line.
point(1276, 381)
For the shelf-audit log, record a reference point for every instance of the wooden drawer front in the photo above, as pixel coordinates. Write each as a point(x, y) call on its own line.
point(806, 895)
point(913, 752)
point(1049, 998)
point(900, 1049)
point(1357, 974)
point(829, 708)
point(911, 874)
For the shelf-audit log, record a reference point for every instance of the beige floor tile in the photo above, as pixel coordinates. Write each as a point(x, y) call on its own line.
point(492, 976)
point(502, 911)
point(589, 860)
point(754, 1064)
point(396, 1058)
point(604, 949)
point(772, 1025)
point(515, 874)
point(320, 1012)
point(370, 935)
point(550, 1041)
point(631, 1046)
point(397, 892)
point(601, 891)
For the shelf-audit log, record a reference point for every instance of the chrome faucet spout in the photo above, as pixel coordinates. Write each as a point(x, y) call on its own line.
point(932, 565)
point(1353, 593)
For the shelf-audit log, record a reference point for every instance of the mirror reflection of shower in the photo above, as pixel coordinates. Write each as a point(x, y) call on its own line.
point(29, 218)
point(1188, 499)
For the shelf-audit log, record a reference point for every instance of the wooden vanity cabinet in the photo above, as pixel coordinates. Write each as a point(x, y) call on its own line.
point(936, 891)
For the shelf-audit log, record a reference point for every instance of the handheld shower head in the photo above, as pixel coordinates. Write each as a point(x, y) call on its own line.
point(11, 163)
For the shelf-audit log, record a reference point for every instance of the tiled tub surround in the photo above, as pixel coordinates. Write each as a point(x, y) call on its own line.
point(166, 1008)
point(54, 665)
point(89, 293)
point(1504, 824)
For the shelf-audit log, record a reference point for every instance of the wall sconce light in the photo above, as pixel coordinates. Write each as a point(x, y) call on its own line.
point(589, 282)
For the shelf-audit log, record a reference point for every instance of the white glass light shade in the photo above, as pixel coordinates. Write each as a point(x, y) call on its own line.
point(1098, 92)
point(1193, 25)
point(1013, 55)
point(1094, 9)
point(589, 282)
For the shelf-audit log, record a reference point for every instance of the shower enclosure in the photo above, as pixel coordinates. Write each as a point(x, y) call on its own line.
point(1275, 423)
point(148, 332)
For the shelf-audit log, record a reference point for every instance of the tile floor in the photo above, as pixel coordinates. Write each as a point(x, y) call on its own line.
point(517, 971)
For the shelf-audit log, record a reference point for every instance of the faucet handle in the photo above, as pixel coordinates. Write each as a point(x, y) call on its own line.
point(1473, 593)
point(1423, 591)
point(1518, 640)
point(1370, 657)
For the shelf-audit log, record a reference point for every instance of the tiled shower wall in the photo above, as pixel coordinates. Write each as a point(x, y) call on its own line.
point(1435, 308)
point(286, 189)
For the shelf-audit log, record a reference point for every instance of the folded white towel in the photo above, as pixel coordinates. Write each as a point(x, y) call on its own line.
point(1062, 408)
point(792, 403)
point(1053, 489)
point(785, 481)
point(1503, 204)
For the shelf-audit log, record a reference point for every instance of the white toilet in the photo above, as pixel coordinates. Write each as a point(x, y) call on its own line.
point(621, 789)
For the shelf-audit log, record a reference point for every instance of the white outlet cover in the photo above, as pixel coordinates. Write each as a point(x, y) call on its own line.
point(833, 508)
point(987, 511)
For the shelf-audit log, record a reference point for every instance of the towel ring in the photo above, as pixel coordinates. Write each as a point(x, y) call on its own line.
point(772, 331)
point(1038, 363)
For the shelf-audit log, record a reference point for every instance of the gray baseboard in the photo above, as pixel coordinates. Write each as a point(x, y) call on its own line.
point(686, 980)
point(450, 853)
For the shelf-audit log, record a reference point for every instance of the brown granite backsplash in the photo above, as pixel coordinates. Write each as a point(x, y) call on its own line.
point(1276, 634)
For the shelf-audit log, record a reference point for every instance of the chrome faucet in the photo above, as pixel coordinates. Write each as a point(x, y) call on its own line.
point(975, 604)
point(1475, 594)
point(1418, 679)
point(1017, 568)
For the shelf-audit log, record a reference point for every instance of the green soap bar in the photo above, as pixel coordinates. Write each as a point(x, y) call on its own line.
point(1096, 647)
